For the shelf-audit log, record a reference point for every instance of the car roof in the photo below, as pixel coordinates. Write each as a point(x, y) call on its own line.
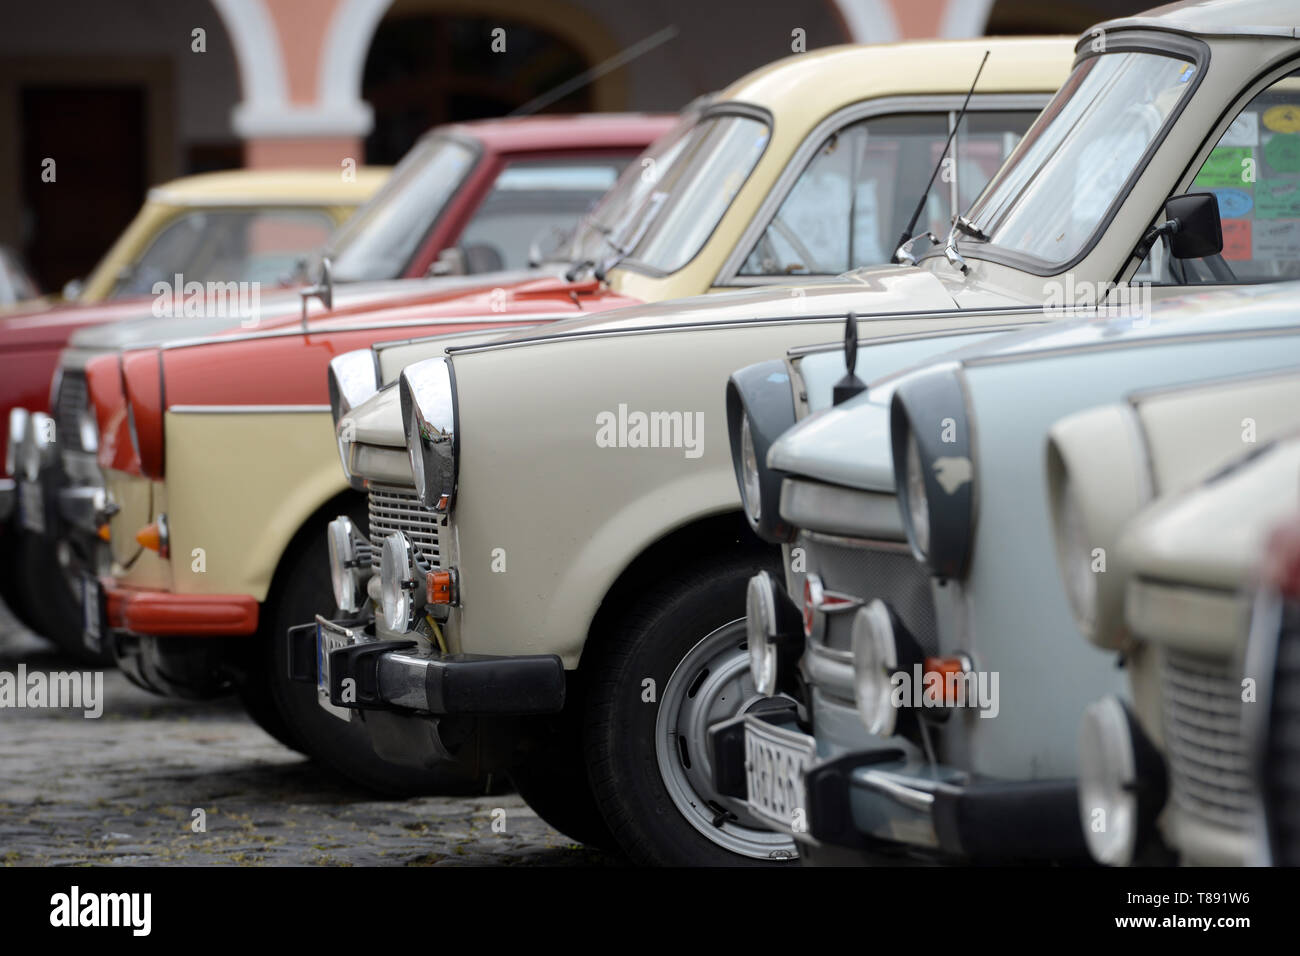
point(822, 81)
point(323, 186)
point(1276, 18)
point(515, 134)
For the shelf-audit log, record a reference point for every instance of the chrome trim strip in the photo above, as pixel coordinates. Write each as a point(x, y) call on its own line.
point(315, 324)
point(851, 512)
point(896, 787)
point(801, 351)
point(1185, 338)
point(247, 409)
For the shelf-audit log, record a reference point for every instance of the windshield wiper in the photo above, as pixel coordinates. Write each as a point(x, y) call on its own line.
point(903, 253)
point(622, 251)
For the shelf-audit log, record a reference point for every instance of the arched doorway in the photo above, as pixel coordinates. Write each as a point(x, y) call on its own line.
point(432, 63)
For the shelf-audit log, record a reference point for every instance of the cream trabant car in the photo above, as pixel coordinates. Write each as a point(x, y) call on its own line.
point(1161, 508)
point(575, 562)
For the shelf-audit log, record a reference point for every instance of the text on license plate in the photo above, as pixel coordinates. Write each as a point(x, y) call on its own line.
point(774, 772)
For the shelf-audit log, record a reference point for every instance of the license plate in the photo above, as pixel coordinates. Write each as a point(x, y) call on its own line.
point(31, 507)
point(775, 761)
point(329, 638)
point(91, 631)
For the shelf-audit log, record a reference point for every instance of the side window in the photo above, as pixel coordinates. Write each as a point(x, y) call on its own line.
point(855, 197)
point(1254, 172)
point(533, 204)
point(227, 245)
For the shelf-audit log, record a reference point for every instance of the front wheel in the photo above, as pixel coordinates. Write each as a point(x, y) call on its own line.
point(677, 665)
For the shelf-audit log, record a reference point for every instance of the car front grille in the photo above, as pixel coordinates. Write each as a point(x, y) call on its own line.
point(866, 572)
point(1205, 749)
point(398, 509)
point(68, 405)
point(1280, 766)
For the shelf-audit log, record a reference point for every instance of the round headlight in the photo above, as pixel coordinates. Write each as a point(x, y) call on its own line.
point(428, 397)
point(345, 575)
point(750, 487)
point(18, 420)
point(88, 429)
point(1108, 801)
point(760, 626)
point(875, 659)
point(1076, 560)
point(918, 504)
point(395, 573)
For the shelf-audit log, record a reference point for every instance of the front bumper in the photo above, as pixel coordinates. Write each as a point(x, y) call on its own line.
point(400, 676)
point(150, 613)
point(873, 801)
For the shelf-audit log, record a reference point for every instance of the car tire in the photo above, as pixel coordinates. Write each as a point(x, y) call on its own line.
point(302, 591)
point(651, 778)
point(552, 779)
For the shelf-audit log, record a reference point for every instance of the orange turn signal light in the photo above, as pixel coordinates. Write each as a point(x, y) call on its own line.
point(441, 587)
point(104, 533)
point(947, 667)
point(154, 537)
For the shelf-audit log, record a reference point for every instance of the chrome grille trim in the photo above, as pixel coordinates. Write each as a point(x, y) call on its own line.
point(1208, 768)
point(398, 509)
point(72, 398)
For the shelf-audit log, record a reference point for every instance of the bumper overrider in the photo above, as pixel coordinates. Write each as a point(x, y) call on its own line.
point(883, 800)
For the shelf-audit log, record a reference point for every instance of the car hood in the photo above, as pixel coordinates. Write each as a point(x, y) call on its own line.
point(849, 444)
point(883, 289)
point(140, 326)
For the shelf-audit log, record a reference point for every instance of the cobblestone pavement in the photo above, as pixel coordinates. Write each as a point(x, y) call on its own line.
point(122, 790)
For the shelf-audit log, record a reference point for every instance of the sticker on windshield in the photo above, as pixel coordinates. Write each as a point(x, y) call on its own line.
point(1283, 119)
point(1188, 72)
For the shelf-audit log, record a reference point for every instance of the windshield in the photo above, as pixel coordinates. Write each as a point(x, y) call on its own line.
point(1071, 168)
point(690, 197)
point(380, 239)
point(227, 245)
point(613, 220)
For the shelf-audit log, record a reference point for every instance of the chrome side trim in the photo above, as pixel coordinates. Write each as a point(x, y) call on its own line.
point(247, 409)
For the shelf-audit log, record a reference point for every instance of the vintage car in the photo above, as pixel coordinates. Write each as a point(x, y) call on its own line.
point(290, 212)
point(580, 520)
point(672, 224)
point(466, 200)
point(1161, 506)
point(1271, 727)
point(920, 629)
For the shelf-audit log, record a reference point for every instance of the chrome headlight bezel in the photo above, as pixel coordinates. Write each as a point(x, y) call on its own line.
point(350, 564)
point(87, 429)
point(760, 409)
point(931, 430)
point(353, 377)
point(751, 495)
point(19, 421)
point(397, 576)
point(430, 418)
point(760, 630)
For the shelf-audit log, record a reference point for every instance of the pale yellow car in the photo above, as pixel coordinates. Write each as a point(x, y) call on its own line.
point(311, 200)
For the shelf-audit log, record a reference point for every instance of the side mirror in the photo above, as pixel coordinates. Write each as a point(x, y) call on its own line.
point(450, 262)
point(1193, 226)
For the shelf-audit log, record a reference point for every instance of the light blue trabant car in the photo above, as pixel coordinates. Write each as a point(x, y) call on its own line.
point(922, 636)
